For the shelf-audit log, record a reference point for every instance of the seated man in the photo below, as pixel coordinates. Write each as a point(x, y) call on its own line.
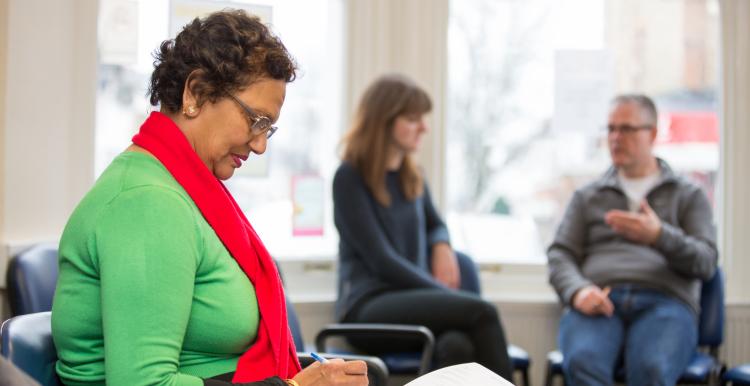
point(628, 260)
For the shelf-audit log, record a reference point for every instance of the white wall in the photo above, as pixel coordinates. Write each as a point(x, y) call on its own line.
point(408, 37)
point(735, 142)
point(49, 115)
point(3, 61)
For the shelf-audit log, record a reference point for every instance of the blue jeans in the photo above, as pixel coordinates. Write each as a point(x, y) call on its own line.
point(651, 334)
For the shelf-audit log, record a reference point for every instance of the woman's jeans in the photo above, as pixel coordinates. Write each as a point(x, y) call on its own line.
point(651, 335)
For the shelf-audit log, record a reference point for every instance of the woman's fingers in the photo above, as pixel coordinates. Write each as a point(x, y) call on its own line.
point(355, 368)
point(351, 373)
point(334, 372)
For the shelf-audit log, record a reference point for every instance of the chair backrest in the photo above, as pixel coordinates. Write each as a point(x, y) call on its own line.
point(32, 277)
point(711, 324)
point(469, 274)
point(377, 372)
point(291, 316)
point(294, 326)
point(27, 343)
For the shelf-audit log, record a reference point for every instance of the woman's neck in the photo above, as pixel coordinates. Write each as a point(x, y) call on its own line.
point(394, 159)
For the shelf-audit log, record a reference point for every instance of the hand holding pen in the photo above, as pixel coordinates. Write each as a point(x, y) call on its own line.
point(333, 372)
point(318, 357)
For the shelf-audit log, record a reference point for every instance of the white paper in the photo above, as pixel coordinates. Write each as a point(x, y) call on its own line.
point(466, 374)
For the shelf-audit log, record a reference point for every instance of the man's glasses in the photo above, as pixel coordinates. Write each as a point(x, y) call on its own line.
point(627, 129)
point(259, 124)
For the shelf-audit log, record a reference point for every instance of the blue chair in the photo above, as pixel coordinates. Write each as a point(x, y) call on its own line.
point(420, 362)
point(27, 343)
point(32, 277)
point(397, 363)
point(739, 375)
point(704, 368)
point(294, 326)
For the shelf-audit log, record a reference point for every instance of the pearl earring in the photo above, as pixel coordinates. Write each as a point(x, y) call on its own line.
point(189, 111)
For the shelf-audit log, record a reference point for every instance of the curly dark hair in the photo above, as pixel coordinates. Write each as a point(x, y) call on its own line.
point(228, 50)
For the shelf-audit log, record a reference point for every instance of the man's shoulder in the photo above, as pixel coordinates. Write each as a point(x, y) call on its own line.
point(685, 184)
point(680, 181)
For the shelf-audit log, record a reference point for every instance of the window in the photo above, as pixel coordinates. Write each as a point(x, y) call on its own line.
point(300, 156)
point(528, 94)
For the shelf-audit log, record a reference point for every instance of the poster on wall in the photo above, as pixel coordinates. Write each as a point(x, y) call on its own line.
point(308, 200)
point(183, 11)
point(118, 32)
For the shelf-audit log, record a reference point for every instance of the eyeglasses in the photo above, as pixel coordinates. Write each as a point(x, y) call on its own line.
point(260, 123)
point(627, 129)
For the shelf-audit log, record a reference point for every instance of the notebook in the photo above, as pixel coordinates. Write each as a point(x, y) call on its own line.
point(465, 374)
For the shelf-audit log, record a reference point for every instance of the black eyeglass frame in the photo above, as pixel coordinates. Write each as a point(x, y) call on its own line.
point(627, 129)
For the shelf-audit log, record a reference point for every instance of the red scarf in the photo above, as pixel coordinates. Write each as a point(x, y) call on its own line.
point(273, 351)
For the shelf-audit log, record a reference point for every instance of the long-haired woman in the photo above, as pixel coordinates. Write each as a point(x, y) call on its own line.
point(396, 261)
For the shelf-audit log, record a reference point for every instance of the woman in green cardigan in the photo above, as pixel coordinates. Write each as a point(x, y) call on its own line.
point(162, 279)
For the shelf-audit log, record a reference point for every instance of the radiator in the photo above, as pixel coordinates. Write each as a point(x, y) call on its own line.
point(736, 347)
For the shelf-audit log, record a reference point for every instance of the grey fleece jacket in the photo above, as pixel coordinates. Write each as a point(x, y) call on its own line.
point(587, 251)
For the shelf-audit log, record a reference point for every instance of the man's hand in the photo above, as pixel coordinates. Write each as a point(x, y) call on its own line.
point(593, 301)
point(643, 227)
point(445, 266)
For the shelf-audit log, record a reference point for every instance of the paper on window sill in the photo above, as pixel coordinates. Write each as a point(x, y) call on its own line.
point(465, 374)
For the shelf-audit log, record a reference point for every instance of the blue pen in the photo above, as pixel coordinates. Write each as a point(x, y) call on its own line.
point(318, 357)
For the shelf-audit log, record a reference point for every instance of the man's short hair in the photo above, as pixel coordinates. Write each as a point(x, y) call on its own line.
point(644, 103)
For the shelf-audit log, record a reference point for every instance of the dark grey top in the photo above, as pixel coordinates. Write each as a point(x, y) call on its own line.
point(381, 248)
point(586, 250)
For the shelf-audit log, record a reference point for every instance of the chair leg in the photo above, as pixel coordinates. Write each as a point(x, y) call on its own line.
point(525, 377)
point(716, 377)
point(548, 376)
